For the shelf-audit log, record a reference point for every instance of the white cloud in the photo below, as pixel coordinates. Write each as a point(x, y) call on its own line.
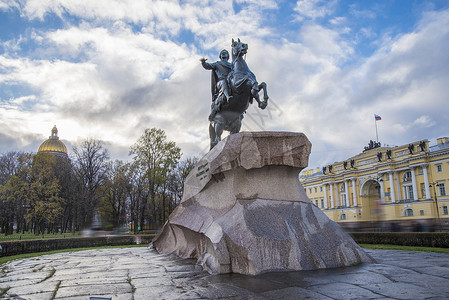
point(424, 122)
point(313, 9)
point(123, 68)
point(7, 5)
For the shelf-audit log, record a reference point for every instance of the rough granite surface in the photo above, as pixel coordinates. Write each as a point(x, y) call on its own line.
point(245, 211)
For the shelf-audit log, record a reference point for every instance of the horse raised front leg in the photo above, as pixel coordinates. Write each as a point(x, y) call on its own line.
point(263, 86)
point(264, 103)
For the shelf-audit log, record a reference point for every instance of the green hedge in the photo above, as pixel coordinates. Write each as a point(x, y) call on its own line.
point(31, 246)
point(420, 239)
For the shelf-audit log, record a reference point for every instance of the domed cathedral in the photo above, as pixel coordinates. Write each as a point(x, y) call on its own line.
point(53, 145)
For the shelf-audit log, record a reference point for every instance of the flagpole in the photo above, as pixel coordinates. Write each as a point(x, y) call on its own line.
point(377, 136)
point(376, 117)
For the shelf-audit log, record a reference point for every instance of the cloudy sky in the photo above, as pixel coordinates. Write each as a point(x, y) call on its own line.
point(108, 69)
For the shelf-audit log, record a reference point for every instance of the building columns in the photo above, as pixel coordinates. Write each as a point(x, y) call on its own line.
point(325, 196)
point(398, 185)
point(415, 190)
point(354, 192)
point(337, 195)
point(426, 182)
point(332, 194)
point(392, 193)
point(382, 189)
point(347, 204)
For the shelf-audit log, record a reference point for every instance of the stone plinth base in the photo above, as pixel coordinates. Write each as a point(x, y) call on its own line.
point(244, 211)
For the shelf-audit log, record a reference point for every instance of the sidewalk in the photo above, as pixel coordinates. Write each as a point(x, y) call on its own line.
point(141, 273)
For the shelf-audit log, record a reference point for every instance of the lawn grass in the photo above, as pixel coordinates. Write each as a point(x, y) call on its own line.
point(6, 259)
point(32, 236)
point(405, 248)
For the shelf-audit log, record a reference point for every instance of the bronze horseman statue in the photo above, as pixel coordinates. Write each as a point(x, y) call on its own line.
point(234, 87)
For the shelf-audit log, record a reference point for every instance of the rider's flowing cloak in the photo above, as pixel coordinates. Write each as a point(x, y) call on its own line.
point(213, 85)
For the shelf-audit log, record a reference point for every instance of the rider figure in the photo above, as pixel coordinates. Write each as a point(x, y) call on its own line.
point(221, 69)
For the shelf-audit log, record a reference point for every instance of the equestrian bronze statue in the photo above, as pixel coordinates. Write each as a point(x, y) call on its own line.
point(234, 87)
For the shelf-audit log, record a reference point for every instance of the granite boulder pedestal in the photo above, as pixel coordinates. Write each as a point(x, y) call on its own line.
point(245, 211)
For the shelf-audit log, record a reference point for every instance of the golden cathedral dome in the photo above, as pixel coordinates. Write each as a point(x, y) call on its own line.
point(53, 144)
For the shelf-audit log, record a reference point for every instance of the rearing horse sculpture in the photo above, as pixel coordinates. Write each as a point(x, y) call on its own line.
point(228, 115)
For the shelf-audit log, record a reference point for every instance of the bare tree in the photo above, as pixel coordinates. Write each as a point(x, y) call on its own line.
point(137, 196)
point(177, 180)
point(10, 164)
point(68, 192)
point(91, 167)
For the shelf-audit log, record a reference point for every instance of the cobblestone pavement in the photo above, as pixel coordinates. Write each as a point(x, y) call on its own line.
point(141, 273)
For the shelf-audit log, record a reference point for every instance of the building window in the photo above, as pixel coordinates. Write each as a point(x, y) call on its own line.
point(408, 212)
point(321, 188)
point(442, 189)
point(407, 184)
point(342, 217)
point(421, 212)
point(310, 190)
point(407, 176)
point(322, 203)
point(316, 203)
point(316, 190)
point(439, 168)
point(343, 197)
point(408, 192)
point(445, 212)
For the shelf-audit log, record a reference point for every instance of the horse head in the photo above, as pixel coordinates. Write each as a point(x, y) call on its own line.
point(238, 48)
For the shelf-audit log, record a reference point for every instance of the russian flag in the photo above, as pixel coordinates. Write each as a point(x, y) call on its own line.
point(377, 117)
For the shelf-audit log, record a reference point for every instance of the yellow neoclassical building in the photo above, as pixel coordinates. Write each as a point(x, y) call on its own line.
point(388, 188)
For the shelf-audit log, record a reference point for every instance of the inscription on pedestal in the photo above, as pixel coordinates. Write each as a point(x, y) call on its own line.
point(202, 171)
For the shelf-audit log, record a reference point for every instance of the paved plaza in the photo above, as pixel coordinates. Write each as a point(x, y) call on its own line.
point(141, 273)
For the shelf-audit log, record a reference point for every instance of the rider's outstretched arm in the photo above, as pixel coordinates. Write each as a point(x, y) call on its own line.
point(207, 65)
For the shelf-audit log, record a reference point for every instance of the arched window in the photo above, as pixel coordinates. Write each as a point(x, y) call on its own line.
point(342, 216)
point(407, 176)
point(408, 212)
